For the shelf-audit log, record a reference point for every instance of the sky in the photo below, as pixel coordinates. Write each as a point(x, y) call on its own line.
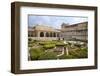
point(54, 21)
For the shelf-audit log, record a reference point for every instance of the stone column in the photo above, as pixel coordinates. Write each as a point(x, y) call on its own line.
point(38, 34)
point(49, 34)
point(56, 34)
point(44, 34)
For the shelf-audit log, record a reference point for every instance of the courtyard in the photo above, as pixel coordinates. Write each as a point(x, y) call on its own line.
point(56, 49)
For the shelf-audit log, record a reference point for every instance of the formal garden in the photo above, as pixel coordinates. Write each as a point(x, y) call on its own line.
point(56, 49)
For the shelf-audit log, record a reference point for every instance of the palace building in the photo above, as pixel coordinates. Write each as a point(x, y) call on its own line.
point(42, 32)
point(77, 31)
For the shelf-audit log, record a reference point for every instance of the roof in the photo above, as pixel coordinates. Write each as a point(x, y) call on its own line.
point(44, 28)
point(72, 25)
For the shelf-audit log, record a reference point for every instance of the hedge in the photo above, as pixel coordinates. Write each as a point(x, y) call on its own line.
point(35, 53)
point(49, 46)
point(79, 53)
point(48, 55)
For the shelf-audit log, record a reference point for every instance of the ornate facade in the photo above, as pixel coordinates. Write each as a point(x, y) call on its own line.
point(41, 32)
point(77, 31)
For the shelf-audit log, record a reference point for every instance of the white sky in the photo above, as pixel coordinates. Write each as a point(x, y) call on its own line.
point(54, 21)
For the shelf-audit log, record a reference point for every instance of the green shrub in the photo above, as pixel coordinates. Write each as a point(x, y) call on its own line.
point(30, 42)
point(46, 42)
point(30, 45)
point(35, 53)
point(42, 43)
point(84, 52)
point(29, 39)
point(84, 49)
point(60, 44)
point(66, 57)
point(77, 45)
point(69, 43)
point(49, 46)
point(79, 53)
point(47, 55)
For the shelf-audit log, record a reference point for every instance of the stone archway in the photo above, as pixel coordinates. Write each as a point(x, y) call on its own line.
point(54, 34)
point(41, 34)
point(50, 34)
point(47, 34)
point(57, 34)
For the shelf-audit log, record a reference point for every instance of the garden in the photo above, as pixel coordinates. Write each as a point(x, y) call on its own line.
point(56, 49)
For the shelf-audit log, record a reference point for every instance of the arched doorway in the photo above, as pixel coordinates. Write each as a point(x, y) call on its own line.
point(47, 34)
point(54, 34)
point(41, 34)
point(57, 34)
point(50, 34)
